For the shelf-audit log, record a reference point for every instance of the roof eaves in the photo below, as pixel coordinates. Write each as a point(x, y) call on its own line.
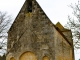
point(62, 34)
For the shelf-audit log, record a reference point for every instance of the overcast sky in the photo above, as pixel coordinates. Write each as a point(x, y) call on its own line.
point(56, 10)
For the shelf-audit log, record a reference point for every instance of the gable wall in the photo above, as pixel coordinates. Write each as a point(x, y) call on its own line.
point(34, 32)
point(63, 50)
point(17, 27)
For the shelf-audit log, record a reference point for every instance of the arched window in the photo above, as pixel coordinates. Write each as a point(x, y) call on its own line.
point(45, 58)
point(28, 56)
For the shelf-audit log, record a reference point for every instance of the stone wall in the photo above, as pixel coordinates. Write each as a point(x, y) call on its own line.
point(63, 50)
point(33, 34)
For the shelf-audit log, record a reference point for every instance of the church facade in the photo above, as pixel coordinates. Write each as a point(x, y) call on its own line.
point(33, 36)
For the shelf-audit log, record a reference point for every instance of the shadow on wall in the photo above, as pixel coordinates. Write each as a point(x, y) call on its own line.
point(3, 57)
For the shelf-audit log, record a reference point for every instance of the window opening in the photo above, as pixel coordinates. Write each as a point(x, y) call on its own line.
point(30, 7)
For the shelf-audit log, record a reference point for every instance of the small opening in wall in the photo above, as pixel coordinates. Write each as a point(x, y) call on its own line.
point(30, 7)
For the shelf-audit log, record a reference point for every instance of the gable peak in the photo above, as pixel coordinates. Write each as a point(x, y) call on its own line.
point(58, 24)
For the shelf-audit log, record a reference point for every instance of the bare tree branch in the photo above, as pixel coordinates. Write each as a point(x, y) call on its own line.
point(74, 24)
point(5, 23)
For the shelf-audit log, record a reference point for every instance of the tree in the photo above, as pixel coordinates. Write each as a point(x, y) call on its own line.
point(5, 23)
point(74, 24)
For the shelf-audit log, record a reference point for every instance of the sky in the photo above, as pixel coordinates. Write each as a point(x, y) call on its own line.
point(56, 10)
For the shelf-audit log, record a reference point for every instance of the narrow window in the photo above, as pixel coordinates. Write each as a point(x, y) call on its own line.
point(30, 7)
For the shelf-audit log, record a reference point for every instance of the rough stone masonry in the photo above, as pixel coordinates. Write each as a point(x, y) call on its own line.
point(33, 36)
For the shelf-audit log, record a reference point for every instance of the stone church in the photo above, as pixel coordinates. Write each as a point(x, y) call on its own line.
point(33, 36)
